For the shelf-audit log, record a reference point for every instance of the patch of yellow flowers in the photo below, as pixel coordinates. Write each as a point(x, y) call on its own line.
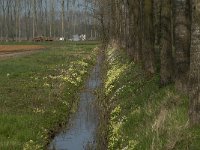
point(116, 121)
point(72, 74)
point(113, 75)
point(31, 145)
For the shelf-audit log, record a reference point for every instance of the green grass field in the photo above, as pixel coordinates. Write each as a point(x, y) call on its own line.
point(38, 92)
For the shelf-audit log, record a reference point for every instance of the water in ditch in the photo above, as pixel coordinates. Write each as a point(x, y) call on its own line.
point(80, 134)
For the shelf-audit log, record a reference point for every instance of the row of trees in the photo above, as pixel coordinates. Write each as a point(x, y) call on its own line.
point(169, 29)
point(24, 19)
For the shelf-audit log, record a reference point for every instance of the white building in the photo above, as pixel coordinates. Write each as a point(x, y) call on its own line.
point(76, 38)
point(61, 39)
point(83, 37)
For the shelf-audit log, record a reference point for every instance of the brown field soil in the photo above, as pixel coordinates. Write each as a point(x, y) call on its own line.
point(19, 48)
point(9, 51)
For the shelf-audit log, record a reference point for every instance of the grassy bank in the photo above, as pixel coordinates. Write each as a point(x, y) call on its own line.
point(38, 92)
point(140, 114)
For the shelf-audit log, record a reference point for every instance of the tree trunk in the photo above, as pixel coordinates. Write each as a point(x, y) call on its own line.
point(157, 20)
point(63, 16)
point(148, 51)
point(182, 29)
point(34, 16)
point(166, 71)
point(194, 80)
point(133, 34)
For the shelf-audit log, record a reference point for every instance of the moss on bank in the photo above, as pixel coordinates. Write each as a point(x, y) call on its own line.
point(141, 115)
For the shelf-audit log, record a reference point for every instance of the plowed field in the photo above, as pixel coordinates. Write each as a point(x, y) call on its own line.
point(19, 48)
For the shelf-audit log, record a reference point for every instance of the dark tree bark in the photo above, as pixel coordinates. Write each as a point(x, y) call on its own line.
point(134, 30)
point(166, 71)
point(194, 88)
point(148, 51)
point(157, 20)
point(62, 17)
point(182, 31)
point(131, 34)
point(113, 29)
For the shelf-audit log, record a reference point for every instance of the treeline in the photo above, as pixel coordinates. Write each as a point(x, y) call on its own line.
point(25, 19)
point(162, 35)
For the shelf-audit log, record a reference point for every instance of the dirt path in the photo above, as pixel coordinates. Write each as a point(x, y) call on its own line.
point(4, 55)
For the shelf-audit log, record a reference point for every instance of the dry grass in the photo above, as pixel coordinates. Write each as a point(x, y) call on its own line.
point(159, 122)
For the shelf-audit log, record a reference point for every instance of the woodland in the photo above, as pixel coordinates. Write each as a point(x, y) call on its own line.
point(164, 36)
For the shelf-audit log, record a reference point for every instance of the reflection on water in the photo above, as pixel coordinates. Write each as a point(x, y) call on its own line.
point(81, 132)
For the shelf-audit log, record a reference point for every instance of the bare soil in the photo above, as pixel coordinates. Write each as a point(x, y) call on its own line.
point(18, 50)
